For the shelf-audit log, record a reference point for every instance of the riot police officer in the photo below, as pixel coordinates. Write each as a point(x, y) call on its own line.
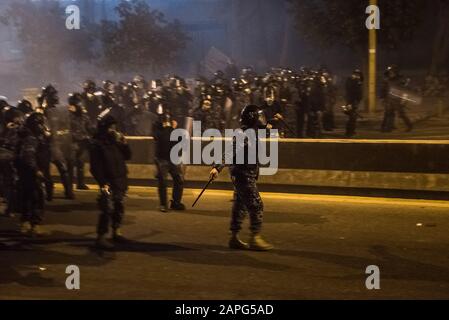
point(272, 109)
point(394, 105)
point(90, 100)
point(81, 130)
point(25, 107)
point(162, 131)
point(60, 144)
point(354, 95)
point(4, 105)
point(209, 113)
point(317, 101)
point(303, 87)
point(109, 152)
point(244, 177)
point(13, 119)
point(30, 149)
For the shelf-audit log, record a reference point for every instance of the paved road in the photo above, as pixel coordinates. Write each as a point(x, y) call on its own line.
point(323, 246)
point(436, 128)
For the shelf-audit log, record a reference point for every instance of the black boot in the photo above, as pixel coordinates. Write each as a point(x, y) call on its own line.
point(236, 244)
point(177, 206)
point(80, 177)
point(68, 187)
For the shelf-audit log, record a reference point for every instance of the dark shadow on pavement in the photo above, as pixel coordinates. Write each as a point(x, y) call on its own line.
point(392, 266)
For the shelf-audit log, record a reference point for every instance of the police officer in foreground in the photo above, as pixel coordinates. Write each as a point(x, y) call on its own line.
point(354, 95)
point(109, 152)
point(162, 130)
point(244, 177)
point(29, 164)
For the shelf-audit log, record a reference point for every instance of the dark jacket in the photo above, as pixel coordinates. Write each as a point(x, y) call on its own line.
point(108, 161)
point(80, 127)
point(92, 105)
point(27, 151)
point(249, 167)
point(163, 144)
point(354, 91)
point(10, 137)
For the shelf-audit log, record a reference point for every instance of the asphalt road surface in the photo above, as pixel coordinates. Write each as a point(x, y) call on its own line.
point(323, 245)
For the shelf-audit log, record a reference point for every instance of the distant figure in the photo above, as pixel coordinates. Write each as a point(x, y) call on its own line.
point(354, 95)
point(394, 105)
point(81, 130)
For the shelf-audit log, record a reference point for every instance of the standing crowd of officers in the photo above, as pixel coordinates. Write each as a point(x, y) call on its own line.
point(95, 122)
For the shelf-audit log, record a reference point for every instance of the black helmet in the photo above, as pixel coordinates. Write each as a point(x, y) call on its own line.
point(252, 117)
point(50, 95)
point(11, 114)
point(35, 121)
point(89, 86)
point(392, 71)
point(105, 121)
point(49, 91)
point(3, 102)
point(75, 99)
point(109, 86)
point(25, 106)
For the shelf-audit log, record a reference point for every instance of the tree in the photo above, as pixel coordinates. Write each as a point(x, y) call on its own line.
point(335, 22)
point(46, 42)
point(142, 40)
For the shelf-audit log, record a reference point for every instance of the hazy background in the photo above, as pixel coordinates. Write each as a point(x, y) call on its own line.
point(260, 33)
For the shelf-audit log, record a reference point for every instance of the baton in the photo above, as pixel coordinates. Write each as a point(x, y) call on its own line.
point(204, 189)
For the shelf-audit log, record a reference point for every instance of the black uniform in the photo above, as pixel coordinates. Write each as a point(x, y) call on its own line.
point(60, 147)
point(108, 156)
point(81, 131)
point(302, 104)
point(393, 105)
point(30, 149)
point(9, 142)
point(270, 109)
point(317, 102)
point(165, 166)
point(246, 194)
point(354, 95)
point(210, 114)
point(91, 102)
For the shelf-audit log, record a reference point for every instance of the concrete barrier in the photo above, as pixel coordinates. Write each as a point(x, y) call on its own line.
point(361, 164)
point(411, 156)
